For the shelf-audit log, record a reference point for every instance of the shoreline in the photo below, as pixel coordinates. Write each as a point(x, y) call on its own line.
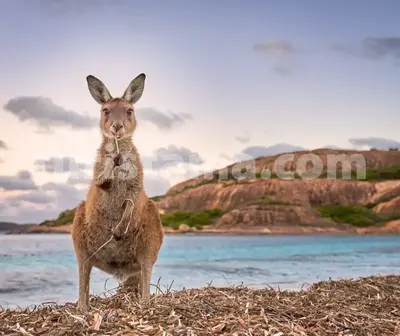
point(361, 306)
point(285, 231)
point(234, 233)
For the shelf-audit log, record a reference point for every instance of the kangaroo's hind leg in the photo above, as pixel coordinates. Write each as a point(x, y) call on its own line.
point(132, 284)
point(84, 265)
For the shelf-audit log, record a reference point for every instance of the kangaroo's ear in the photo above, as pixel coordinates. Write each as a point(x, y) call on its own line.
point(135, 89)
point(98, 90)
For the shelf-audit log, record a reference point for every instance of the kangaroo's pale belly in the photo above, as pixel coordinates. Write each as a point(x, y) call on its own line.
point(117, 258)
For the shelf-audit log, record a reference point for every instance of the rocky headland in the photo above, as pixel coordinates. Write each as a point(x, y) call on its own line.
point(250, 198)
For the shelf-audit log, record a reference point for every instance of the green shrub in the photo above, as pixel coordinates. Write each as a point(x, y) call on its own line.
point(263, 201)
point(393, 216)
point(356, 215)
point(65, 217)
point(195, 219)
point(388, 173)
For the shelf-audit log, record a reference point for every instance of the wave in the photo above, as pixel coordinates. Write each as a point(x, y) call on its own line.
point(31, 282)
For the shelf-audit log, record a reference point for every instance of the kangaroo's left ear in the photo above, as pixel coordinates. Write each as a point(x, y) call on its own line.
point(135, 89)
point(98, 90)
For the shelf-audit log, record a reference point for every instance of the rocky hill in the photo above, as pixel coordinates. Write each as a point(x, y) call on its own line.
point(374, 160)
point(248, 197)
point(255, 203)
point(62, 224)
point(6, 226)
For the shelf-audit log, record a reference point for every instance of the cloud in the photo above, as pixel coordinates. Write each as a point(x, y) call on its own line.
point(374, 48)
point(155, 185)
point(257, 151)
point(254, 152)
point(281, 52)
point(34, 197)
point(162, 120)
point(79, 178)
point(282, 70)
point(225, 156)
point(58, 187)
point(332, 147)
point(21, 181)
point(171, 156)
point(378, 143)
point(60, 165)
point(47, 115)
point(66, 195)
point(21, 214)
point(186, 173)
point(275, 48)
point(3, 145)
point(68, 7)
point(243, 139)
point(48, 201)
point(26, 202)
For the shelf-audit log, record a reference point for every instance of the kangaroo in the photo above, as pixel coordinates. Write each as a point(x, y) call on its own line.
point(116, 204)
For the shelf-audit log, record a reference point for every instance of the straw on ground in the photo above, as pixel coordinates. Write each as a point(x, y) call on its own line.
point(366, 306)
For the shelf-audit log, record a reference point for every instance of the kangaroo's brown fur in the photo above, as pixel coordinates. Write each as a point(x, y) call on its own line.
point(116, 196)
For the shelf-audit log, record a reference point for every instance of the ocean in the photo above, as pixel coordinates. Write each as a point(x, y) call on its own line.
point(42, 268)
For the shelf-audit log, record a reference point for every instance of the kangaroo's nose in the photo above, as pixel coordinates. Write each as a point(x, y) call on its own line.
point(117, 127)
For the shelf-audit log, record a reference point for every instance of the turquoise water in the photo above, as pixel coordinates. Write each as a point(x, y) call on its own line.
point(40, 268)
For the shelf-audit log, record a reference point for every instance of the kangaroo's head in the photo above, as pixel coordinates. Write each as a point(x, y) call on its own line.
point(117, 114)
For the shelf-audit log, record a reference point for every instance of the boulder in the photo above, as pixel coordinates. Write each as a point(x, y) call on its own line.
point(183, 228)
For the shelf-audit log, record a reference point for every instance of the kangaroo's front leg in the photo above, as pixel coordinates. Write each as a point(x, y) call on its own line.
point(104, 179)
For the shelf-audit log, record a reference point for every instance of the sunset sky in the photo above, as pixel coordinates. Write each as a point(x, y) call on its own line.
point(226, 80)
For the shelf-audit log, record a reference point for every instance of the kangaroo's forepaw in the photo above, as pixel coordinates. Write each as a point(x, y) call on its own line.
point(123, 172)
point(104, 183)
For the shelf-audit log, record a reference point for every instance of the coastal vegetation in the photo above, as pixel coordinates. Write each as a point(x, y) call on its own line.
point(196, 219)
point(156, 198)
point(382, 174)
point(193, 219)
point(264, 201)
point(356, 215)
point(65, 217)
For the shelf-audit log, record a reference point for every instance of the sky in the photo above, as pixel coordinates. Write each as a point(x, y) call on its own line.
point(226, 80)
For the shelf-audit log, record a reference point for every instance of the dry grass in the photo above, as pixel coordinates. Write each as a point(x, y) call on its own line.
point(367, 306)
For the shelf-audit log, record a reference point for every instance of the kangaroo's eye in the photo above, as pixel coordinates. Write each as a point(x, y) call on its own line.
point(129, 112)
point(106, 112)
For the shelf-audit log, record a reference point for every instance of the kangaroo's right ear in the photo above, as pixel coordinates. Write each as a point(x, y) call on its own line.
point(98, 90)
